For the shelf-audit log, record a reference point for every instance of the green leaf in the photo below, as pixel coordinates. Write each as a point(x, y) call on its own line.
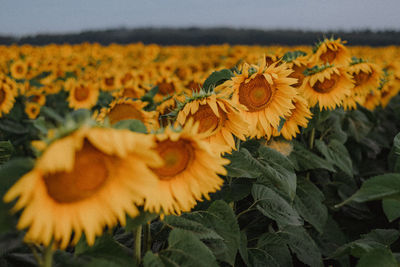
point(271, 155)
point(243, 251)
point(143, 218)
point(302, 245)
point(308, 203)
point(378, 257)
point(376, 239)
point(132, 125)
point(6, 149)
point(236, 190)
point(274, 206)
point(201, 231)
point(216, 78)
point(337, 154)
point(13, 127)
point(394, 155)
point(105, 250)
point(221, 218)
point(391, 208)
point(378, 187)
point(260, 258)
point(276, 247)
point(150, 94)
point(185, 249)
point(305, 160)
point(152, 260)
point(243, 164)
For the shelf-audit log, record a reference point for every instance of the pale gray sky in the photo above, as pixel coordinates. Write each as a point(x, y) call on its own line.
point(20, 17)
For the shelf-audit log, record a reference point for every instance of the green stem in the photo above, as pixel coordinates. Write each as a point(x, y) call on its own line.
point(47, 256)
point(312, 137)
point(147, 237)
point(138, 244)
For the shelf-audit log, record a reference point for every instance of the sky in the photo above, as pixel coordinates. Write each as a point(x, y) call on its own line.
point(29, 17)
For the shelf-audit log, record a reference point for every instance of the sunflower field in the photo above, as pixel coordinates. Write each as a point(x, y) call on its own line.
point(144, 155)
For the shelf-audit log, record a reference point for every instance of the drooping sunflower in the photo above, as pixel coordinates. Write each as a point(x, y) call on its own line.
point(84, 182)
point(298, 61)
point(6, 99)
point(267, 94)
point(19, 69)
point(83, 95)
point(366, 76)
point(190, 171)
point(327, 86)
point(298, 118)
point(219, 118)
point(126, 109)
point(331, 51)
point(372, 99)
point(388, 91)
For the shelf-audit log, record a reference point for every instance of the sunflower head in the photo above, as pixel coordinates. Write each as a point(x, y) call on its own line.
point(189, 173)
point(83, 95)
point(331, 51)
point(19, 69)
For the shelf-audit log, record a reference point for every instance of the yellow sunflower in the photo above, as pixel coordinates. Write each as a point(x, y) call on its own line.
point(366, 77)
point(327, 86)
point(83, 95)
point(331, 51)
point(167, 86)
point(298, 118)
point(84, 182)
point(219, 118)
point(19, 69)
point(6, 99)
point(389, 90)
point(267, 94)
point(190, 171)
point(32, 109)
point(36, 95)
point(128, 109)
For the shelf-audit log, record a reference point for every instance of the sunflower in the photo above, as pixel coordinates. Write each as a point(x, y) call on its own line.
point(32, 109)
point(219, 118)
point(267, 94)
point(36, 95)
point(327, 85)
point(167, 86)
point(331, 51)
point(365, 75)
point(84, 182)
point(298, 65)
point(18, 69)
point(6, 99)
point(190, 170)
point(83, 95)
point(388, 91)
point(128, 109)
point(299, 117)
point(110, 82)
point(131, 89)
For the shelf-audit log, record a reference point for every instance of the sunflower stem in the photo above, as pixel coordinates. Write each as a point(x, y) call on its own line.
point(47, 256)
point(147, 237)
point(311, 146)
point(138, 244)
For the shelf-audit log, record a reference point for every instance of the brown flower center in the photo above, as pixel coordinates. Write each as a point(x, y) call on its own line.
point(19, 69)
point(298, 74)
point(361, 78)
point(127, 77)
point(2, 96)
point(130, 92)
point(207, 119)
point(176, 155)
point(109, 81)
point(328, 57)
point(165, 88)
point(327, 85)
point(87, 177)
point(255, 94)
point(124, 112)
point(82, 93)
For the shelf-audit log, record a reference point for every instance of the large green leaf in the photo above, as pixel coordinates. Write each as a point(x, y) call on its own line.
point(337, 154)
point(185, 249)
point(305, 159)
point(276, 247)
point(378, 257)
point(243, 164)
point(260, 258)
point(391, 207)
point(274, 206)
point(302, 245)
point(378, 187)
point(221, 218)
point(271, 155)
point(308, 203)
